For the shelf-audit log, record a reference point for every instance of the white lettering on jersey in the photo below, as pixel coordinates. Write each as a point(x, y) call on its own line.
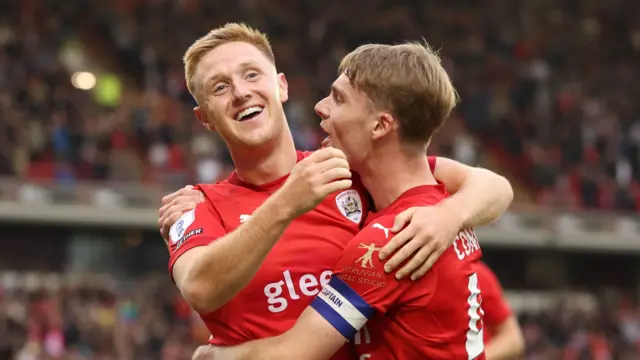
point(244, 218)
point(350, 205)
point(386, 231)
point(474, 344)
point(179, 227)
point(359, 339)
point(466, 243)
point(308, 285)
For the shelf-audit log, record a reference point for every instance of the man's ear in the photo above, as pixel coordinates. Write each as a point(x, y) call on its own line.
point(202, 117)
point(283, 88)
point(385, 124)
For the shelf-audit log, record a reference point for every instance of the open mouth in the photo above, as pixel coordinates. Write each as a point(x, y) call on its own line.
point(249, 113)
point(326, 142)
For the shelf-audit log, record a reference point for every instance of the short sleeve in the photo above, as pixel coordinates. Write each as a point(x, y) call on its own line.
point(359, 286)
point(496, 309)
point(197, 227)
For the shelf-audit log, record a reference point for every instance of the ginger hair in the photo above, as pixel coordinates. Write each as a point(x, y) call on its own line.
point(231, 32)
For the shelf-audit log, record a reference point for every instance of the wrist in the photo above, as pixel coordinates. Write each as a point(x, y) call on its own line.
point(457, 211)
point(281, 207)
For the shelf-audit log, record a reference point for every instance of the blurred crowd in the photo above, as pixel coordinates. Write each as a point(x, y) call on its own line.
point(147, 319)
point(549, 88)
point(100, 320)
point(549, 92)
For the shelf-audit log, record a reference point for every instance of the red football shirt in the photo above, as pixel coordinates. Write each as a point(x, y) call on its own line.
point(294, 271)
point(495, 306)
point(436, 317)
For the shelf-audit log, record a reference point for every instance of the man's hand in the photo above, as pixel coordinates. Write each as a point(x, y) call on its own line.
point(314, 178)
point(204, 352)
point(174, 204)
point(430, 231)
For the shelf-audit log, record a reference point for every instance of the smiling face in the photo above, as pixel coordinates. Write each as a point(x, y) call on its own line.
point(240, 95)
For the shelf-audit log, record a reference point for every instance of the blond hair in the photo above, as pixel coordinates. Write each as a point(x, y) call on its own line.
point(231, 32)
point(408, 81)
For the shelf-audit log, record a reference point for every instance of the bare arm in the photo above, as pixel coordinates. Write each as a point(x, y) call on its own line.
point(480, 196)
point(231, 260)
point(507, 343)
point(209, 276)
point(311, 338)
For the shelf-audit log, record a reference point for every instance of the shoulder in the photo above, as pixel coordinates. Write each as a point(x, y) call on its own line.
point(380, 228)
point(192, 223)
point(372, 237)
point(221, 190)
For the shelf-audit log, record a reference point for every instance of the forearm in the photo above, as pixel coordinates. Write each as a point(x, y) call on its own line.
point(264, 349)
point(224, 267)
point(482, 197)
point(507, 343)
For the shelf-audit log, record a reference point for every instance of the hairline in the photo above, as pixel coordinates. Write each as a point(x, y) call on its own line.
point(201, 84)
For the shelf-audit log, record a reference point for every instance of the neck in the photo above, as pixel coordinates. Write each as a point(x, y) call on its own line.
point(263, 164)
point(408, 171)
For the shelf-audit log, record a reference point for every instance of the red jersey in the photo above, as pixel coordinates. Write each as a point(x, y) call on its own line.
point(495, 306)
point(436, 317)
point(293, 272)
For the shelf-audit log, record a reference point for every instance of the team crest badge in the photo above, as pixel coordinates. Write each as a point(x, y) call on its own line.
point(350, 205)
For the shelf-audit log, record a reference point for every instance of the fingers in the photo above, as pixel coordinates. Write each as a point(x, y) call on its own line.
point(336, 186)
point(394, 244)
point(175, 208)
point(329, 164)
point(203, 352)
point(333, 175)
point(172, 215)
point(169, 198)
point(186, 194)
point(417, 260)
point(324, 154)
point(402, 219)
point(426, 265)
point(174, 205)
point(401, 255)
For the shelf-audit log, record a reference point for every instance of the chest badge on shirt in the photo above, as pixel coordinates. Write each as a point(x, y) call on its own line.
point(350, 205)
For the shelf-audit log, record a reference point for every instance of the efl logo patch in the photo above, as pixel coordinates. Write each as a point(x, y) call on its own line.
point(179, 227)
point(187, 236)
point(350, 205)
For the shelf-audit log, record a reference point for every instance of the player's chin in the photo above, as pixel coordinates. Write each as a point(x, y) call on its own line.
point(257, 138)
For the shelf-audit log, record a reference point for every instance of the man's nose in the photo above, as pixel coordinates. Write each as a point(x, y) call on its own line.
point(321, 110)
point(241, 92)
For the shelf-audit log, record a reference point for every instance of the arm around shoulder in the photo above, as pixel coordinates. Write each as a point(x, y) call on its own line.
point(311, 338)
point(479, 195)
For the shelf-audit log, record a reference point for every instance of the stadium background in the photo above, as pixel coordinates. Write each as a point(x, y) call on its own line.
point(96, 125)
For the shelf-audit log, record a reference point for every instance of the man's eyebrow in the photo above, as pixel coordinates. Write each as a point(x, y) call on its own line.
point(337, 90)
point(218, 76)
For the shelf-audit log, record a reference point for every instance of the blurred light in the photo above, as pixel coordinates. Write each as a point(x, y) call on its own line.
point(83, 80)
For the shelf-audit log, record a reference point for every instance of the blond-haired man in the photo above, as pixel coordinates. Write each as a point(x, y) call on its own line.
point(251, 256)
point(382, 112)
